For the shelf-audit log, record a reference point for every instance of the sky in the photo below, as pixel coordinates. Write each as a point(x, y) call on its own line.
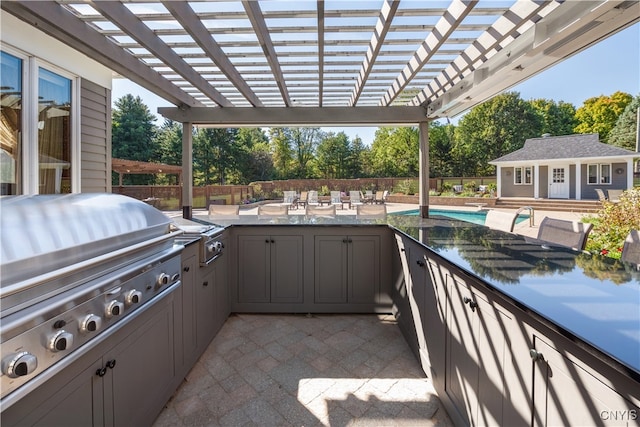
point(609, 66)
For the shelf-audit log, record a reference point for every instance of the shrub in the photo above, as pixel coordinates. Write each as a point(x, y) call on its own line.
point(612, 224)
point(408, 186)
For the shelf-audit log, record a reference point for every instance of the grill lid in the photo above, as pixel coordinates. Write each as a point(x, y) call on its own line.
point(42, 233)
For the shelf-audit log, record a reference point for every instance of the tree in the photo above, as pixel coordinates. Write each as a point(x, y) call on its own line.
point(256, 161)
point(304, 142)
point(169, 142)
point(357, 158)
point(395, 152)
point(333, 156)
point(600, 114)
point(624, 133)
point(493, 129)
point(441, 143)
point(132, 135)
point(557, 118)
point(280, 139)
point(214, 155)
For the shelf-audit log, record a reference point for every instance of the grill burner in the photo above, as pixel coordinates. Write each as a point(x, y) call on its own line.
point(73, 267)
point(210, 246)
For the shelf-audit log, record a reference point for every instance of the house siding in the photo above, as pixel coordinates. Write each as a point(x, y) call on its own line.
point(95, 137)
point(544, 182)
point(509, 189)
point(618, 181)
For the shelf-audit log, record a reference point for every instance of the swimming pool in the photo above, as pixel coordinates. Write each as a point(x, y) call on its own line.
point(476, 217)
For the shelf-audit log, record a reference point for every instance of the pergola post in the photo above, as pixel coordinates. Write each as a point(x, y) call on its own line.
point(187, 171)
point(423, 131)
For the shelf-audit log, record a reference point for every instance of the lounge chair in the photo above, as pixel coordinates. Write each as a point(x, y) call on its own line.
point(368, 196)
point(559, 232)
point(320, 211)
point(290, 200)
point(336, 199)
point(631, 248)
point(224, 211)
point(355, 199)
point(273, 210)
point(601, 196)
point(312, 198)
point(380, 197)
point(371, 211)
point(499, 220)
point(304, 197)
point(614, 195)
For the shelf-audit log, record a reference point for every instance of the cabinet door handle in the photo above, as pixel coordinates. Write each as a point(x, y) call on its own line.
point(536, 355)
point(101, 372)
point(186, 268)
point(273, 241)
point(266, 241)
point(111, 363)
point(206, 283)
point(420, 263)
point(472, 303)
point(345, 241)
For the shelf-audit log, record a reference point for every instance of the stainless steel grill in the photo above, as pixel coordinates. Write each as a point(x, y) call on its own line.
point(72, 267)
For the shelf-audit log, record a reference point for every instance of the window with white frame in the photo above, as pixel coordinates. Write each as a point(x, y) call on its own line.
point(43, 115)
point(523, 175)
point(599, 173)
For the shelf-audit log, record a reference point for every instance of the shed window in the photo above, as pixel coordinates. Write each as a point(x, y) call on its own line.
point(599, 173)
point(523, 175)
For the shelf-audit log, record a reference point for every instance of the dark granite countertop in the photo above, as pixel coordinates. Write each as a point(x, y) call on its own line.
point(594, 298)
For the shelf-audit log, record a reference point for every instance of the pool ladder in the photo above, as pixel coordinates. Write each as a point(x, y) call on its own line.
point(531, 214)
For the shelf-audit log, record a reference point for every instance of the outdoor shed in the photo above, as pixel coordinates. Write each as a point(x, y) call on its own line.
point(564, 167)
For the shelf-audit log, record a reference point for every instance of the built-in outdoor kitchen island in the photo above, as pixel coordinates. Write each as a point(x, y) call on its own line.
point(510, 332)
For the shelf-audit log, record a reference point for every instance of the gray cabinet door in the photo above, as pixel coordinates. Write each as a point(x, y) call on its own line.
point(254, 269)
point(483, 379)
point(330, 276)
point(187, 344)
point(206, 308)
point(142, 379)
point(286, 281)
point(72, 398)
point(347, 269)
point(567, 393)
point(363, 282)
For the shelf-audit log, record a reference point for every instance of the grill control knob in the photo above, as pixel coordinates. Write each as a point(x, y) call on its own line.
point(60, 341)
point(19, 364)
point(90, 323)
point(114, 308)
point(163, 279)
point(133, 297)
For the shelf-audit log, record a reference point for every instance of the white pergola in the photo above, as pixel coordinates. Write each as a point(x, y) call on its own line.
point(325, 63)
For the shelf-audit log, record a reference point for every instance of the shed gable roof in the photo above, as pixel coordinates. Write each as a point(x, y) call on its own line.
point(564, 147)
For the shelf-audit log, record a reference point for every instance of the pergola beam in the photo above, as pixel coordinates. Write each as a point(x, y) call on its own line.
point(446, 25)
point(297, 116)
point(183, 13)
point(56, 21)
point(377, 40)
point(254, 13)
point(131, 24)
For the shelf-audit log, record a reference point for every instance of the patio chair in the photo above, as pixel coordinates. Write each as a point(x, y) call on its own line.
point(458, 188)
point(614, 195)
point(601, 196)
point(304, 197)
point(320, 211)
point(499, 220)
point(380, 197)
point(312, 198)
point(289, 199)
point(224, 211)
point(355, 199)
point(336, 199)
point(570, 234)
point(371, 211)
point(368, 196)
point(273, 210)
point(631, 248)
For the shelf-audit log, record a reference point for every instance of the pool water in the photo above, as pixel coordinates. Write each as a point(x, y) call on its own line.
point(476, 217)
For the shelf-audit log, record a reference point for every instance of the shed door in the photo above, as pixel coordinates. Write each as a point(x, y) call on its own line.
point(558, 182)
